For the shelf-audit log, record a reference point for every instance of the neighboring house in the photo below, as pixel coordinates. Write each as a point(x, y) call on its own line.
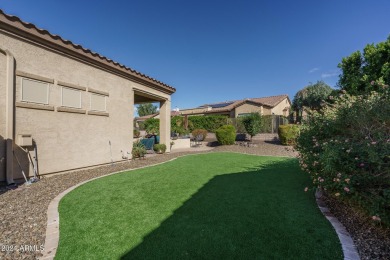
point(71, 105)
point(274, 105)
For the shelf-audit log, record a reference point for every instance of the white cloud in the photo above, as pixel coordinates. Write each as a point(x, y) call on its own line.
point(313, 70)
point(330, 74)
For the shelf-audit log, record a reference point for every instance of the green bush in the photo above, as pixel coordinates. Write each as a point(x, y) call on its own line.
point(138, 150)
point(226, 135)
point(345, 148)
point(200, 132)
point(152, 125)
point(209, 123)
point(252, 124)
point(136, 133)
point(178, 125)
point(159, 148)
point(288, 134)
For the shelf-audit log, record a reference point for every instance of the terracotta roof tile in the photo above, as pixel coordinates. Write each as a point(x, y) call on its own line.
point(17, 23)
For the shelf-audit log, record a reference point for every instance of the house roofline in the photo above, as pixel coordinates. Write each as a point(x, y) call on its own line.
point(15, 26)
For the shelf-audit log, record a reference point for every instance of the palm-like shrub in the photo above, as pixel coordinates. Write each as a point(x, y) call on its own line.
point(138, 150)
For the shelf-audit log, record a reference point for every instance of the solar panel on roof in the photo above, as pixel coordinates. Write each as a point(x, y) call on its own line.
point(221, 105)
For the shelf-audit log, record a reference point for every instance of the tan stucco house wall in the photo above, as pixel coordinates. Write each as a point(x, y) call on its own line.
point(247, 108)
point(283, 108)
point(68, 137)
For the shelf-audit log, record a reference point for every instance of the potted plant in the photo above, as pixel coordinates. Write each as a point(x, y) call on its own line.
point(160, 148)
point(172, 143)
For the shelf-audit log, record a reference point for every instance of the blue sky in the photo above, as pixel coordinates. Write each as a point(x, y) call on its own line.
point(214, 51)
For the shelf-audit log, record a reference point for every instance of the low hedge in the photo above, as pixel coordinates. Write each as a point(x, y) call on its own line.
point(288, 134)
point(209, 123)
point(226, 135)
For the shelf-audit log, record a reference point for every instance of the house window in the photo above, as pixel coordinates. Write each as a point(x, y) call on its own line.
point(98, 102)
point(71, 97)
point(35, 91)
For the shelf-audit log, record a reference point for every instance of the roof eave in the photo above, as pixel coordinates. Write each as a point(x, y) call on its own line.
point(14, 26)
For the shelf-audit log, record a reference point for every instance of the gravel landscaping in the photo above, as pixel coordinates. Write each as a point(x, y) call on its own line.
point(372, 240)
point(23, 210)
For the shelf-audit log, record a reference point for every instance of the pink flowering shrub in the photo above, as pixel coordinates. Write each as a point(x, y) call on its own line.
point(345, 147)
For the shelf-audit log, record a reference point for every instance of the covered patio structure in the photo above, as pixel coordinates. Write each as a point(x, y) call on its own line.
point(164, 99)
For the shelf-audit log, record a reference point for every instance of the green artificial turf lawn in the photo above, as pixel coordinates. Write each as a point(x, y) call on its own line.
point(209, 206)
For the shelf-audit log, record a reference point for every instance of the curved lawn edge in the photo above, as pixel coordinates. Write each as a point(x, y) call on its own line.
point(53, 219)
point(53, 233)
point(349, 249)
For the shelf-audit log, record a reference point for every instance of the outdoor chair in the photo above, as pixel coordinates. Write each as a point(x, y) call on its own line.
point(197, 140)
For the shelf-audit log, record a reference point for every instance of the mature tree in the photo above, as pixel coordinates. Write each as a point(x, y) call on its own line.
point(311, 96)
point(359, 71)
point(146, 109)
point(252, 124)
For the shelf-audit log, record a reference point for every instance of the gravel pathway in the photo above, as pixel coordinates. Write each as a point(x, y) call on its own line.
point(23, 210)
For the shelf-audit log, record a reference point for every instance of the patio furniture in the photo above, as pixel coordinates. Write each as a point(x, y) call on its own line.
point(197, 140)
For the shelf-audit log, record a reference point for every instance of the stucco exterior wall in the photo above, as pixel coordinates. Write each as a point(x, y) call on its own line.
point(247, 108)
point(278, 109)
point(72, 140)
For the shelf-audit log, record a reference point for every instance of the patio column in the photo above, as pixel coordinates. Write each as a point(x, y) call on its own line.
point(165, 123)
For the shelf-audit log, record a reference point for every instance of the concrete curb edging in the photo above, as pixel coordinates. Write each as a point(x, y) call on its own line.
point(349, 250)
point(53, 218)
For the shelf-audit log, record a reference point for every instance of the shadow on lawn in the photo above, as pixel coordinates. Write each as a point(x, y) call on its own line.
point(247, 215)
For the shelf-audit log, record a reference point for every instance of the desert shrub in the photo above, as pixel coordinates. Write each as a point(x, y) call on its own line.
point(138, 150)
point(160, 147)
point(136, 133)
point(226, 134)
point(345, 148)
point(199, 132)
point(210, 123)
point(152, 125)
point(252, 123)
point(288, 134)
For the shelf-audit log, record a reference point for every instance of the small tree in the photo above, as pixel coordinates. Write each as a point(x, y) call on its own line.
point(146, 109)
point(311, 97)
point(252, 124)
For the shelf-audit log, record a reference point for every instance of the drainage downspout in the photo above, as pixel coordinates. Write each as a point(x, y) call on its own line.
point(9, 116)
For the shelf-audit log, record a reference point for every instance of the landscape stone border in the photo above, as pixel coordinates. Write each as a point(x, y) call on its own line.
point(349, 250)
